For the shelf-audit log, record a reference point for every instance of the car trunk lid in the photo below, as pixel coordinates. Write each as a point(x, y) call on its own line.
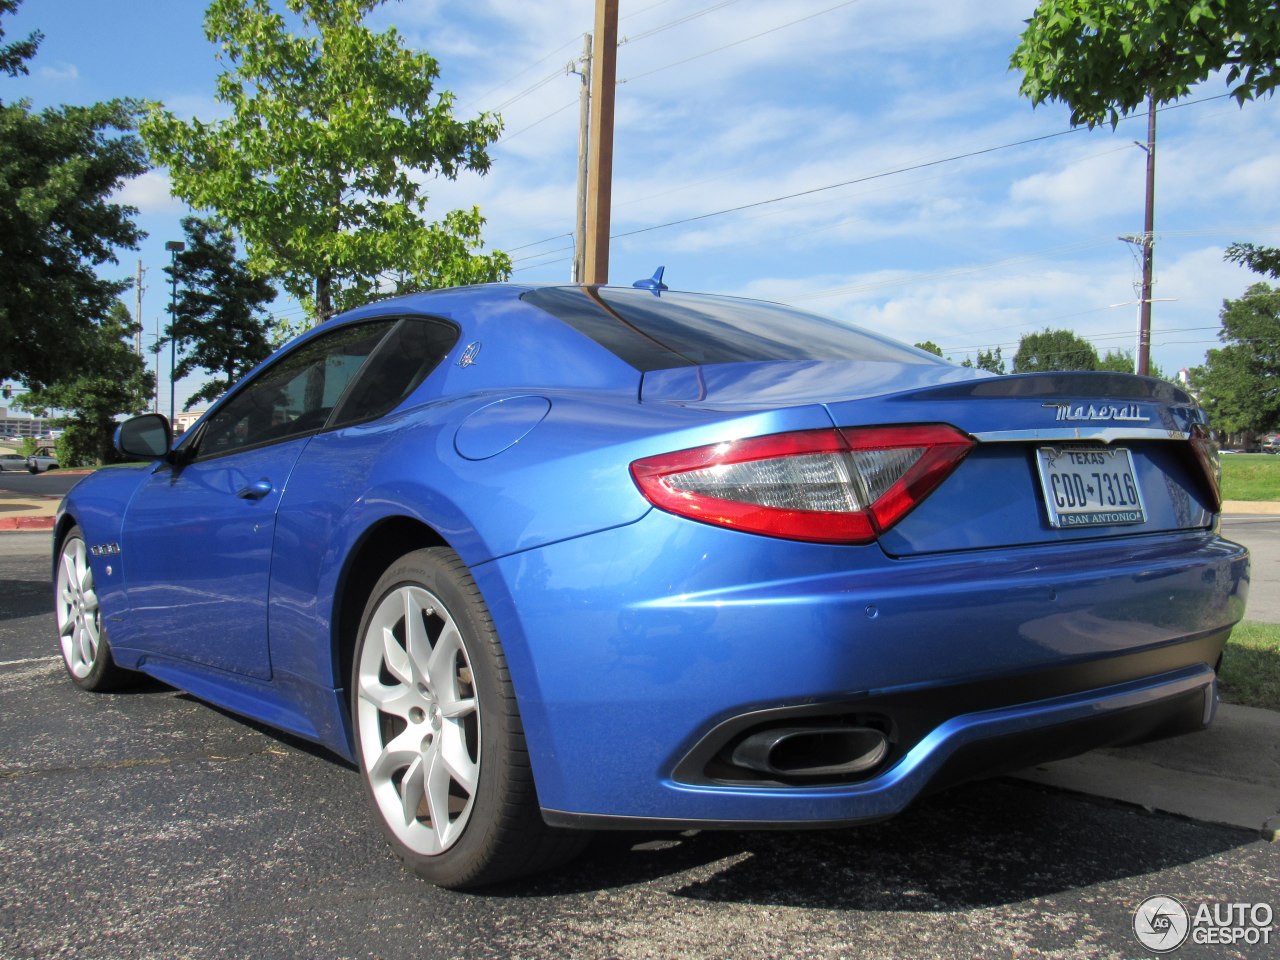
point(1045, 441)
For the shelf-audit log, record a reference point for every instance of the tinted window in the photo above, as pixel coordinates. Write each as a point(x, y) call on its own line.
point(683, 329)
point(410, 352)
point(295, 395)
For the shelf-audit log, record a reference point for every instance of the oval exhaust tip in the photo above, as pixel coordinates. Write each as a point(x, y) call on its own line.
point(812, 751)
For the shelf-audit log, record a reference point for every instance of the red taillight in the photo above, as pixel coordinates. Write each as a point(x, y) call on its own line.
point(825, 486)
point(1206, 452)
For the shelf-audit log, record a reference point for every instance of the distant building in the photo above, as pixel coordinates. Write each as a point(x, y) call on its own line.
point(24, 427)
point(186, 420)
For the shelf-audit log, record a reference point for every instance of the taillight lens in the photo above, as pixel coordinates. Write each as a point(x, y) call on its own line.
point(1206, 452)
point(823, 486)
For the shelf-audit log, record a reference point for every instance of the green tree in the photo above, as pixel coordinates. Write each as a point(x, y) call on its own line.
point(321, 166)
point(1239, 384)
point(990, 360)
point(930, 347)
point(1264, 260)
point(117, 383)
point(218, 322)
point(59, 170)
point(1121, 361)
point(1054, 350)
point(14, 56)
point(1103, 58)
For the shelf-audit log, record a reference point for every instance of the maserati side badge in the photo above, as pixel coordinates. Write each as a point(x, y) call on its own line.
point(469, 354)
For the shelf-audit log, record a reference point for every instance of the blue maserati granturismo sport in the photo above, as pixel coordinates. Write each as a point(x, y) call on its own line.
point(543, 560)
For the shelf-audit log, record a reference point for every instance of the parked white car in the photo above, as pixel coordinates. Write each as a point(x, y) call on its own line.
point(40, 462)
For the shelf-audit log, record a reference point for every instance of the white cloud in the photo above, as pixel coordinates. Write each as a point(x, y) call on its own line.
point(58, 72)
point(150, 194)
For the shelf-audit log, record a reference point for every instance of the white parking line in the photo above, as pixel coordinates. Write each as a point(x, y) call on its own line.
point(16, 663)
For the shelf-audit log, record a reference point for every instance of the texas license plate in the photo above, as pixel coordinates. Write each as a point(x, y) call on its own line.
point(1089, 486)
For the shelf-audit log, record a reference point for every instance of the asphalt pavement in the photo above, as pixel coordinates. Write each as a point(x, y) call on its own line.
point(151, 825)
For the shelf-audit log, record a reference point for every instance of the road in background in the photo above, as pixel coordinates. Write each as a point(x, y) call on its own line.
point(52, 484)
point(1261, 534)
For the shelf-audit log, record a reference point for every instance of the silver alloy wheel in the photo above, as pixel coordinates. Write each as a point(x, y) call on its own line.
point(418, 720)
point(79, 619)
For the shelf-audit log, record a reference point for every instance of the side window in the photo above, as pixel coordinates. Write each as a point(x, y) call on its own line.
point(405, 358)
point(295, 395)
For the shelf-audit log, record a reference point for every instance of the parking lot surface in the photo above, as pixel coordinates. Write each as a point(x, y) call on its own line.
point(148, 824)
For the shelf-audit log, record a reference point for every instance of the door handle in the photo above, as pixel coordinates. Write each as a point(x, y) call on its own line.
point(256, 490)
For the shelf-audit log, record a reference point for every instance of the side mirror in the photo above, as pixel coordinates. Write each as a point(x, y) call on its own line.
point(147, 437)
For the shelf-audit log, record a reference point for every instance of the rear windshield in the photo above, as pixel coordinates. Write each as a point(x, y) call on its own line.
point(688, 329)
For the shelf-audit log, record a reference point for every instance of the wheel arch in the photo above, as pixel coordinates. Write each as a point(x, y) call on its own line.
point(380, 545)
point(60, 530)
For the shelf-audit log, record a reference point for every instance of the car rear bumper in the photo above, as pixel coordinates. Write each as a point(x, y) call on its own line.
point(642, 654)
point(963, 748)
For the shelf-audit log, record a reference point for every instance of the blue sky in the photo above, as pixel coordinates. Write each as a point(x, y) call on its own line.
point(739, 104)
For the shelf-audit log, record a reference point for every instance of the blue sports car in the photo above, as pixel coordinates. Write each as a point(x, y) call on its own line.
point(543, 560)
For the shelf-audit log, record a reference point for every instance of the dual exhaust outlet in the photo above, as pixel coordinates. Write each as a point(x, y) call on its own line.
point(820, 752)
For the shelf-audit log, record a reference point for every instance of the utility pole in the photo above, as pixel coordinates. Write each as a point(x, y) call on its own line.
point(1148, 241)
point(174, 247)
point(604, 72)
point(140, 289)
point(584, 134)
point(156, 406)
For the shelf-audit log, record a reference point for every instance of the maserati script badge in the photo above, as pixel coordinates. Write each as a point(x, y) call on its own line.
point(1130, 412)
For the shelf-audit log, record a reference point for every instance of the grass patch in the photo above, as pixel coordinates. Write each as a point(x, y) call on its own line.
point(1251, 476)
point(1251, 666)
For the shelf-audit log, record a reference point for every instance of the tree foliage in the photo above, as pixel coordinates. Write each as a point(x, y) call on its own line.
point(1121, 361)
point(321, 166)
point(1239, 384)
point(990, 360)
point(1104, 57)
point(59, 169)
point(1264, 260)
point(929, 346)
point(14, 56)
point(116, 383)
point(218, 319)
point(1054, 350)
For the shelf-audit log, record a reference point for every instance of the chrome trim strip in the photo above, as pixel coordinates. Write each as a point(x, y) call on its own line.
point(1096, 434)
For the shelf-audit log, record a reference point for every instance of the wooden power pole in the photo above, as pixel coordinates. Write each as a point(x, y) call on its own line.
point(584, 135)
point(140, 290)
point(604, 71)
point(1148, 242)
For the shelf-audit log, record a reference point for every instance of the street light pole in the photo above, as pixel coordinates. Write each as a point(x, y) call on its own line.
point(174, 247)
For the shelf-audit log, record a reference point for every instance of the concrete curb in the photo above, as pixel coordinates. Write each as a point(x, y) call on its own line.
point(25, 524)
point(1227, 774)
point(1264, 508)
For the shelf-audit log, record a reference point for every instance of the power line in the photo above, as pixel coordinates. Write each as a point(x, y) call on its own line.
point(517, 76)
point(870, 177)
point(652, 6)
point(754, 36)
point(540, 120)
point(544, 253)
point(846, 183)
point(881, 175)
point(538, 85)
point(676, 22)
point(535, 243)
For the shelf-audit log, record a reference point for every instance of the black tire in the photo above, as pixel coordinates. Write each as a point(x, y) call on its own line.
point(489, 828)
point(82, 636)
